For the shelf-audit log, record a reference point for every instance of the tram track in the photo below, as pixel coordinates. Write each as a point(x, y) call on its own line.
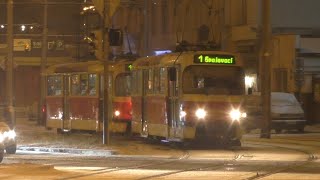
point(310, 158)
point(303, 142)
point(236, 157)
point(308, 155)
point(185, 155)
point(171, 160)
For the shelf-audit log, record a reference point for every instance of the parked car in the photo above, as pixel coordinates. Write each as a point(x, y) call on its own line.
point(286, 112)
point(8, 138)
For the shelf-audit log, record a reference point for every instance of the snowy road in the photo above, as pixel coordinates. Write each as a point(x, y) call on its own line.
point(289, 156)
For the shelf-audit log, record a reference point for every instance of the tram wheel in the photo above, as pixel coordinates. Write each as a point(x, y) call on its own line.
point(236, 142)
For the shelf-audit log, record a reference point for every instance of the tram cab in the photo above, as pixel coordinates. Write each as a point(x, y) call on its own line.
point(193, 95)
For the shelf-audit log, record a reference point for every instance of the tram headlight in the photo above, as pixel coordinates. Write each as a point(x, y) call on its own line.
point(10, 134)
point(117, 113)
point(201, 113)
point(236, 115)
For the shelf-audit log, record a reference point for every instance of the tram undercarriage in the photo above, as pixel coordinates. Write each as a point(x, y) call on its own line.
point(218, 132)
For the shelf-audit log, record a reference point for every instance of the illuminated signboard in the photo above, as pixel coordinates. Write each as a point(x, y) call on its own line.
point(128, 67)
point(214, 59)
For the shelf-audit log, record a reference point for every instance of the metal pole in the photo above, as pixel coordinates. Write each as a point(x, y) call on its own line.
point(9, 68)
point(265, 69)
point(107, 84)
point(146, 28)
point(44, 49)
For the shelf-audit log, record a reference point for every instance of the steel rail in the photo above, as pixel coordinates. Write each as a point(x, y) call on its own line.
point(310, 158)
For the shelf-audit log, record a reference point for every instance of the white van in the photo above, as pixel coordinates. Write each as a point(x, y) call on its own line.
point(286, 112)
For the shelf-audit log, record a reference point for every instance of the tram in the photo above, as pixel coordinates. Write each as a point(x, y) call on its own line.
point(189, 96)
point(75, 95)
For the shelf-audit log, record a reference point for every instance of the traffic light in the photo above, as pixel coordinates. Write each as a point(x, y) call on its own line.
point(115, 37)
point(96, 44)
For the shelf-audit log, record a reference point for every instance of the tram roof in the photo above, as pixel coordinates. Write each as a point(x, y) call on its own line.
point(174, 58)
point(88, 66)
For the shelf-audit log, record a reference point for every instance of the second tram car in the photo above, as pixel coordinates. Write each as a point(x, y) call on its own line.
point(75, 91)
point(195, 95)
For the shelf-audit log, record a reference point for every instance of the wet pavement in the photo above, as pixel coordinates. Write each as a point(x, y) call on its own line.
point(33, 137)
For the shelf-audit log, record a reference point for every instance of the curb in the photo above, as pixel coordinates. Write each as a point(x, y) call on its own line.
point(88, 152)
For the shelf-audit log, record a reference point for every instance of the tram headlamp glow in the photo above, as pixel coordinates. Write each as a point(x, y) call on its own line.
point(117, 113)
point(7, 135)
point(236, 115)
point(10, 134)
point(201, 113)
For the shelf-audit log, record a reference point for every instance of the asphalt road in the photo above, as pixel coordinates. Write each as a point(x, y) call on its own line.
point(284, 156)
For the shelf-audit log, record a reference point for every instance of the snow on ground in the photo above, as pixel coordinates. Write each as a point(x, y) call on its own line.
point(29, 134)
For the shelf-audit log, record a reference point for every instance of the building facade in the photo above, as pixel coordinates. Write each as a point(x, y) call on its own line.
point(295, 45)
point(28, 21)
point(152, 26)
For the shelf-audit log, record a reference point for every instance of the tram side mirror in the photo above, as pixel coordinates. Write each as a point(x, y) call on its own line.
point(173, 74)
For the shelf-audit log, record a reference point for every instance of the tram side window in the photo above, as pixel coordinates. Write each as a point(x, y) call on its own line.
point(92, 84)
point(122, 85)
point(163, 80)
point(84, 84)
point(156, 80)
point(159, 80)
point(54, 85)
point(75, 85)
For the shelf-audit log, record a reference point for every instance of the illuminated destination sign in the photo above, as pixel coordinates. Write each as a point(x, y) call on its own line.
point(214, 59)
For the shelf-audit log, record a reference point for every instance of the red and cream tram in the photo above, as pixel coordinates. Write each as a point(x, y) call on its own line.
point(194, 95)
point(75, 91)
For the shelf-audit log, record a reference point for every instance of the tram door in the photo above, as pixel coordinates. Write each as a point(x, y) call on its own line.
point(173, 108)
point(144, 123)
point(66, 123)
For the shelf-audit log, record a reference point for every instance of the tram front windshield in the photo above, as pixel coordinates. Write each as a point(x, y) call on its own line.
point(213, 80)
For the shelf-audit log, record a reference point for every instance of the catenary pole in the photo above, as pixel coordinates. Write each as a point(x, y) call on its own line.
point(9, 66)
point(107, 83)
point(265, 69)
point(146, 28)
point(43, 63)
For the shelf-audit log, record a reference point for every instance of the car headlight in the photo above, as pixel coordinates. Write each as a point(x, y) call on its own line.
point(201, 113)
point(10, 134)
point(236, 115)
